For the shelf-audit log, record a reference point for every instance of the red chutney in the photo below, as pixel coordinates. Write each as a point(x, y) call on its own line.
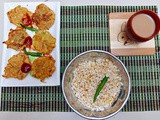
point(25, 67)
point(28, 41)
point(27, 21)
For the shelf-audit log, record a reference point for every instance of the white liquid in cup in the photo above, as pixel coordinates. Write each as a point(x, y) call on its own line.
point(143, 25)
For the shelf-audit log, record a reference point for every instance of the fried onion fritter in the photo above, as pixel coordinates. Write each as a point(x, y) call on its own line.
point(16, 39)
point(43, 17)
point(17, 15)
point(13, 68)
point(43, 42)
point(43, 67)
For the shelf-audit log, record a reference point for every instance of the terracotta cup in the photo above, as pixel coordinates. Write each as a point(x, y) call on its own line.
point(132, 32)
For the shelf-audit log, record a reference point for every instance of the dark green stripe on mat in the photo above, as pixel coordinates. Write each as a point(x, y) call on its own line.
point(84, 28)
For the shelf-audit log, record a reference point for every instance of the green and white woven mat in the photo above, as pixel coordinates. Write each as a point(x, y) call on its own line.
point(84, 28)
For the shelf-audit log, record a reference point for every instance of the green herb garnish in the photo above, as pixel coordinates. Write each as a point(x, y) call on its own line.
point(30, 28)
point(32, 53)
point(31, 74)
point(32, 58)
point(100, 86)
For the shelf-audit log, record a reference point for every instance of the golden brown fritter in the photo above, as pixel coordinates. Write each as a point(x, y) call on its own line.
point(43, 67)
point(16, 38)
point(13, 68)
point(43, 17)
point(43, 42)
point(17, 14)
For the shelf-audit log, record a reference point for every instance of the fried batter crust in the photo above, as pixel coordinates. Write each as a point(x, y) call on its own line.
point(43, 42)
point(43, 17)
point(16, 39)
point(13, 68)
point(43, 67)
point(15, 15)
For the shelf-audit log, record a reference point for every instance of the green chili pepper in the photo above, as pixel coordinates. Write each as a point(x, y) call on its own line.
point(30, 28)
point(100, 86)
point(32, 53)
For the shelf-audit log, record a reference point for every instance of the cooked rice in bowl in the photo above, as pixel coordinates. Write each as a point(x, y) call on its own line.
point(86, 78)
point(84, 74)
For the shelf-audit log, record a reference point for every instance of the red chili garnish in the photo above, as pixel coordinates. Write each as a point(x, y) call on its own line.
point(28, 41)
point(25, 67)
point(27, 21)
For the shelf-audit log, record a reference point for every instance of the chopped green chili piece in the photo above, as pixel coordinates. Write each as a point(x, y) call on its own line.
point(30, 28)
point(32, 53)
point(100, 86)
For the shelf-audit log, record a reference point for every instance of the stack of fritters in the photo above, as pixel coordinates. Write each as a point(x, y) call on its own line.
point(42, 42)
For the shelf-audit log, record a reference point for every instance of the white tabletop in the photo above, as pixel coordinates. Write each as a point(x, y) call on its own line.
point(148, 115)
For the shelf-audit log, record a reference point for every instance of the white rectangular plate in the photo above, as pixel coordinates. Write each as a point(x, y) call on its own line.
point(54, 80)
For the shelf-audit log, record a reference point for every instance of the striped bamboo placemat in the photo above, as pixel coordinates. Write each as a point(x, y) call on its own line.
point(85, 28)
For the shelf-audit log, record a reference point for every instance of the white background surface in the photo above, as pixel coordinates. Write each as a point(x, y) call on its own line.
point(72, 116)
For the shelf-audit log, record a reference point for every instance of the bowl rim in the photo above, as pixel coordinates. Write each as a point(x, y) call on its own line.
point(125, 69)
